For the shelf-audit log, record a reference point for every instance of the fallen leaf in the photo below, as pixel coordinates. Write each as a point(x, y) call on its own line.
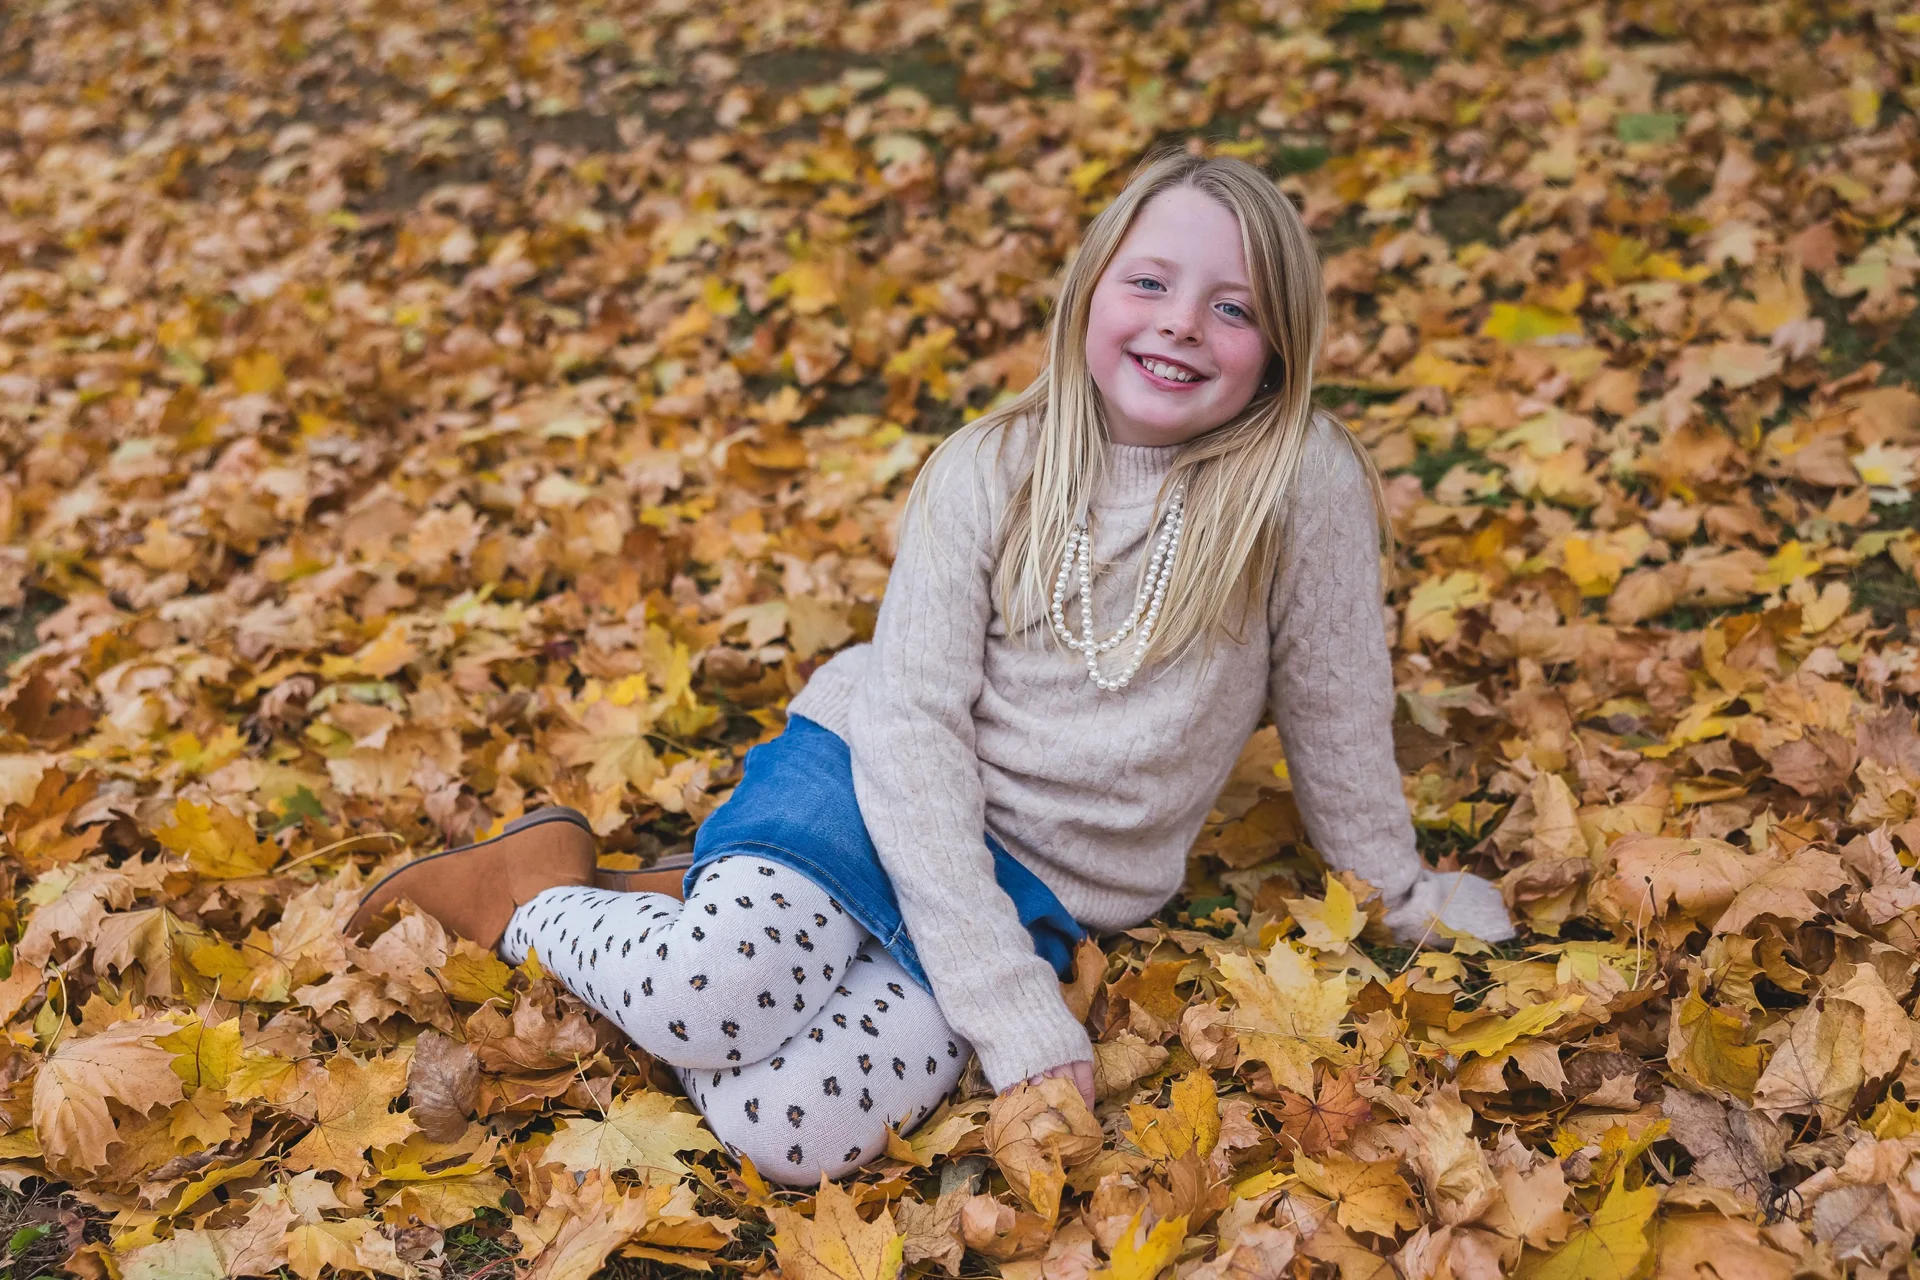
point(1324, 1121)
point(835, 1244)
point(1609, 1246)
point(348, 1105)
point(1286, 1016)
point(640, 1131)
point(124, 1064)
point(443, 1085)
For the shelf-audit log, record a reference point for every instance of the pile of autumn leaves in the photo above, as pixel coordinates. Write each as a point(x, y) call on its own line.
point(1700, 1055)
point(1270, 1091)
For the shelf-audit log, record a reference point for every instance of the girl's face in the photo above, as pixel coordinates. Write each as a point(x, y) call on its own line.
point(1171, 339)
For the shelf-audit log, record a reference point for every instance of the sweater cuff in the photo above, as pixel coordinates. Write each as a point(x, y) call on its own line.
point(1031, 1036)
point(1458, 899)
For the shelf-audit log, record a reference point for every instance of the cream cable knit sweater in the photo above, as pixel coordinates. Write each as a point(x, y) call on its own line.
point(956, 727)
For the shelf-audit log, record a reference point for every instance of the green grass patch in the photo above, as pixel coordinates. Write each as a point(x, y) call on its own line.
point(1888, 591)
point(1466, 214)
point(1432, 466)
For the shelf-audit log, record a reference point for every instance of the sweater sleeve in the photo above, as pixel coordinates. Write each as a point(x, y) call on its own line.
point(917, 777)
point(1331, 681)
point(1331, 693)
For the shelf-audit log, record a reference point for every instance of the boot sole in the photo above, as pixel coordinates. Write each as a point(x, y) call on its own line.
point(665, 876)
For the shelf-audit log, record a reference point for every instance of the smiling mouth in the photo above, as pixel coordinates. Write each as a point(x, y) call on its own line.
point(1165, 371)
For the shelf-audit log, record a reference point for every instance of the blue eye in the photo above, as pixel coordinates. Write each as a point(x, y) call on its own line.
point(1236, 306)
point(1143, 280)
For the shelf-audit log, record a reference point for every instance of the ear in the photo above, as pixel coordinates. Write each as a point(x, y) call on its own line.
point(1275, 372)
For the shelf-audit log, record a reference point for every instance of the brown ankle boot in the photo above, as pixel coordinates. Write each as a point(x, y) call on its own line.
point(474, 890)
point(664, 876)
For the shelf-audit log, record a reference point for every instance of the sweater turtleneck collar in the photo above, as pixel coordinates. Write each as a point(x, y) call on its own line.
point(1134, 473)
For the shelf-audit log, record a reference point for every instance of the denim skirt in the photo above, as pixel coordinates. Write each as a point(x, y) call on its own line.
point(795, 805)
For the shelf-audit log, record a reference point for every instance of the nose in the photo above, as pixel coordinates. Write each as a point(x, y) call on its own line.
point(1180, 321)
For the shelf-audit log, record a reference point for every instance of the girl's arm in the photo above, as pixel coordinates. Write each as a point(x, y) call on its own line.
point(917, 776)
point(1331, 693)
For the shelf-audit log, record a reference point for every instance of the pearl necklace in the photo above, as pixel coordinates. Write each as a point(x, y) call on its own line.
point(1146, 607)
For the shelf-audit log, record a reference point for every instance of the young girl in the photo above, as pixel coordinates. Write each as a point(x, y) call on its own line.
point(1098, 588)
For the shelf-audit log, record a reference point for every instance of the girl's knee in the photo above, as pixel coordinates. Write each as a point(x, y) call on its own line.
point(797, 1158)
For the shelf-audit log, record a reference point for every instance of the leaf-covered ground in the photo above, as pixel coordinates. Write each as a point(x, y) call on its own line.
point(416, 412)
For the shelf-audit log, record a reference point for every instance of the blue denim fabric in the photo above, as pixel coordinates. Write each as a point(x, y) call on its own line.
point(795, 805)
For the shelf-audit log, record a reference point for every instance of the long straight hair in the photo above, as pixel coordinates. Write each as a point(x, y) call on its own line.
point(1237, 475)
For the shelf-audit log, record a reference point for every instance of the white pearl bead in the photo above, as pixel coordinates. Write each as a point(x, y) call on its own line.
point(1146, 609)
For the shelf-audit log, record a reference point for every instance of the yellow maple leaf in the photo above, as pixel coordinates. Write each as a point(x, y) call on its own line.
point(835, 1244)
point(1190, 1123)
point(217, 842)
point(808, 288)
point(1787, 565)
point(612, 742)
point(1429, 370)
point(1708, 1045)
point(1330, 923)
point(641, 1130)
point(1434, 607)
point(1610, 1246)
point(205, 1056)
point(1367, 1195)
point(258, 373)
point(1142, 1256)
point(1516, 323)
point(1489, 1037)
point(350, 1116)
point(475, 975)
point(205, 1119)
point(1286, 1016)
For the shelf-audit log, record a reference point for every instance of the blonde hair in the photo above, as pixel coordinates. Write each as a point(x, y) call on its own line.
point(1237, 475)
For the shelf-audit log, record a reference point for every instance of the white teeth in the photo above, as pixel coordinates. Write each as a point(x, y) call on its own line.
point(1167, 371)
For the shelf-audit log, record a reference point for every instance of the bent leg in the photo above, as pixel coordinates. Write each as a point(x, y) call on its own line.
point(723, 979)
point(878, 1053)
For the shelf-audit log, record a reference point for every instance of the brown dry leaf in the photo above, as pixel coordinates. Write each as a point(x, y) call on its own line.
point(1854, 1031)
point(1731, 1147)
point(38, 828)
point(1791, 891)
point(1119, 1062)
point(1670, 884)
point(1532, 1207)
point(1695, 1246)
point(1034, 1130)
point(443, 1086)
point(1441, 1150)
point(1206, 1033)
point(1859, 1225)
point(599, 1220)
point(930, 1232)
point(124, 1064)
point(1326, 1120)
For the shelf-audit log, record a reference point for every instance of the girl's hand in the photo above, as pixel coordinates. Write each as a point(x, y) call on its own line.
point(1081, 1073)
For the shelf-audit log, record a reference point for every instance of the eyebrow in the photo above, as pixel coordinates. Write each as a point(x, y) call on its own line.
point(1235, 285)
